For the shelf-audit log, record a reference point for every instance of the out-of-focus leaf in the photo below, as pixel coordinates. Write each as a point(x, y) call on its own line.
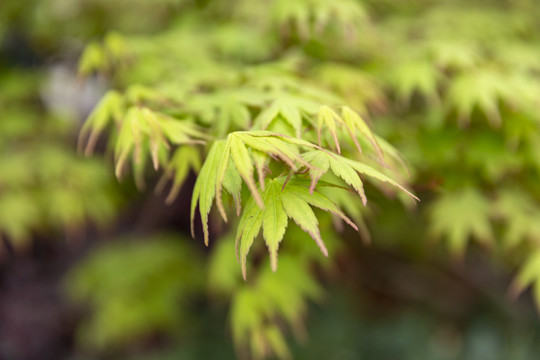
point(110, 108)
point(416, 76)
point(185, 158)
point(459, 216)
point(134, 289)
point(93, 59)
point(284, 294)
point(520, 214)
point(482, 89)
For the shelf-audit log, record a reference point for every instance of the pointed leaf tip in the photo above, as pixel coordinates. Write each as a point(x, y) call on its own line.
point(299, 210)
point(274, 220)
point(242, 161)
point(205, 188)
point(220, 176)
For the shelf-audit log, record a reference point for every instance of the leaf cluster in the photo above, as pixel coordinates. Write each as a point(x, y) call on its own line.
point(288, 125)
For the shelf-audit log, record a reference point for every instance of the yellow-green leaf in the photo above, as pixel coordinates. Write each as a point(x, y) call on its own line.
point(232, 182)
point(110, 108)
point(220, 176)
point(319, 166)
point(274, 220)
point(184, 158)
point(248, 229)
point(244, 165)
point(303, 216)
point(353, 122)
point(372, 172)
point(319, 200)
point(349, 175)
point(205, 188)
point(328, 117)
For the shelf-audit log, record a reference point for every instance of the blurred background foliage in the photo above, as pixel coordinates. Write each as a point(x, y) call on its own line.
point(90, 268)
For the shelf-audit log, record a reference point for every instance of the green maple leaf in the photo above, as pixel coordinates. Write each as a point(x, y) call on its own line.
point(313, 16)
point(242, 152)
point(184, 159)
point(259, 142)
point(529, 274)
point(354, 126)
point(284, 295)
point(346, 169)
point(274, 220)
point(109, 109)
point(330, 120)
point(454, 54)
point(419, 76)
point(461, 215)
point(226, 110)
point(93, 59)
point(483, 89)
point(520, 214)
point(282, 202)
point(204, 190)
point(232, 114)
point(218, 173)
point(486, 153)
point(351, 205)
point(290, 108)
point(145, 130)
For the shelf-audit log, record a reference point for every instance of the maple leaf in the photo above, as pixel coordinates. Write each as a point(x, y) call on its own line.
point(416, 76)
point(290, 108)
point(486, 154)
point(93, 59)
point(520, 214)
point(528, 275)
point(454, 54)
point(233, 161)
point(351, 123)
point(226, 110)
point(282, 202)
point(204, 190)
point(218, 170)
point(262, 143)
point(312, 16)
point(346, 169)
point(460, 215)
point(482, 88)
point(351, 206)
point(177, 169)
point(143, 128)
point(284, 295)
point(109, 109)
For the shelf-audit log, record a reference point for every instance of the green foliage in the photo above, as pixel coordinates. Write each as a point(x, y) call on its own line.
point(528, 275)
point(310, 17)
point(274, 106)
point(460, 216)
point(282, 200)
point(135, 288)
point(283, 293)
point(44, 186)
point(464, 68)
point(274, 139)
point(520, 214)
